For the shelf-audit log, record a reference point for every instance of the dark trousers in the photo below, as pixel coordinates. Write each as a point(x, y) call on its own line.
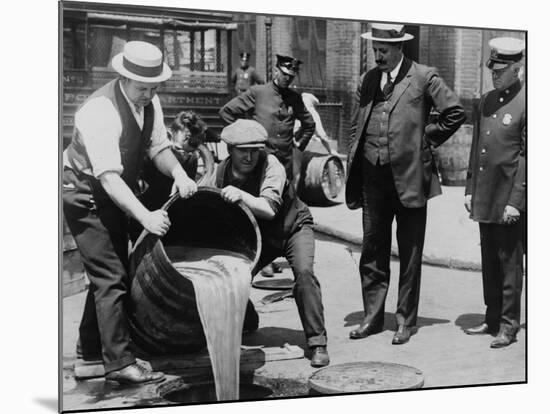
point(101, 234)
point(380, 205)
point(502, 271)
point(299, 250)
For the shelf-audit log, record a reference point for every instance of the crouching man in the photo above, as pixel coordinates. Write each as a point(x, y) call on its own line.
point(257, 179)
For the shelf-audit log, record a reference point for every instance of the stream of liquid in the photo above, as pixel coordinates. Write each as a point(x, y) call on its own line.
point(222, 287)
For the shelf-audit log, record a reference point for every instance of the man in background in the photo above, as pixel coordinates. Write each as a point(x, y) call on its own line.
point(245, 76)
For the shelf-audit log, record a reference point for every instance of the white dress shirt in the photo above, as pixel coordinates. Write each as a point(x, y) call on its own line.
point(393, 74)
point(100, 127)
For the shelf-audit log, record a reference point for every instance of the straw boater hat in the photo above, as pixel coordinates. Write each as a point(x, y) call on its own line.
point(244, 133)
point(382, 32)
point(504, 51)
point(141, 61)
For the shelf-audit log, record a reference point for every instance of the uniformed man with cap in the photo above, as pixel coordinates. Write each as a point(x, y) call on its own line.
point(275, 106)
point(391, 171)
point(245, 75)
point(256, 178)
point(115, 128)
point(495, 190)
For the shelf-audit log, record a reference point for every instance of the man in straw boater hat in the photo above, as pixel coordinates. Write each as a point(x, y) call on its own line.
point(245, 75)
point(495, 190)
point(276, 107)
point(117, 125)
point(391, 171)
point(256, 178)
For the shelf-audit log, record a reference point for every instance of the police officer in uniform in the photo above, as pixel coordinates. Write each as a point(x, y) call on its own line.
point(258, 179)
point(495, 190)
point(275, 106)
point(245, 76)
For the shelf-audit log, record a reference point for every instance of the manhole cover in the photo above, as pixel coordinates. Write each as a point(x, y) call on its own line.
point(365, 376)
point(274, 284)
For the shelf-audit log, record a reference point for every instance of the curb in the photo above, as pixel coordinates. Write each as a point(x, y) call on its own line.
point(447, 262)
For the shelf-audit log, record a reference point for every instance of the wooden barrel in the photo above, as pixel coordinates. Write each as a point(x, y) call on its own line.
point(322, 178)
point(163, 312)
point(453, 157)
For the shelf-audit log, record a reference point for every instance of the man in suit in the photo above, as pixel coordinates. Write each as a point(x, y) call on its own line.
point(245, 75)
point(391, 171)
point(495, 191)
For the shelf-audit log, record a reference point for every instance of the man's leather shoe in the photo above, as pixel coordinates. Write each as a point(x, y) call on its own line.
point(135, 374)
point(402, 335)
point(482, 329)
point(319, 357)
point(503, 339)
point(364, 330)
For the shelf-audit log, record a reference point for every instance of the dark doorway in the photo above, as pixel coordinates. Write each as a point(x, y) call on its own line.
point(411, 47)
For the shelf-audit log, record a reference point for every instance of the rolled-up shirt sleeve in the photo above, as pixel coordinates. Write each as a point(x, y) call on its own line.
point(159, 136)
point(101, 139)
point(273, 183)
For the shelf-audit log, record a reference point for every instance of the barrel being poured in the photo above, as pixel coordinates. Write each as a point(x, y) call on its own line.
point(190, 288)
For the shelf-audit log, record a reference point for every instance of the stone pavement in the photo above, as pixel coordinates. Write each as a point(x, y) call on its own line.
point(452, 239)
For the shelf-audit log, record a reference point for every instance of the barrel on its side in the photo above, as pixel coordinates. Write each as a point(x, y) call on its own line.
point(453, 157)
point(163, 313)
point(322, 178)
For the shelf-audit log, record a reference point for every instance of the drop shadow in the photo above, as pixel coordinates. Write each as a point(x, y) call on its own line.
point(51, 404)
point(355, 318)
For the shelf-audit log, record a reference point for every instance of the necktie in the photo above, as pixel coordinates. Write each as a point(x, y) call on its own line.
point(138, 109)
point(388, 87)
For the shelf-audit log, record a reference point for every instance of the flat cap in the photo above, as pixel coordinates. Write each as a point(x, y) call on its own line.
point(504, 50)
point(244, 133)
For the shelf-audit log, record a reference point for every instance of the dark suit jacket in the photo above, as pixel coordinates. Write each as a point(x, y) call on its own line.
point(417, 89)
point(496, 172)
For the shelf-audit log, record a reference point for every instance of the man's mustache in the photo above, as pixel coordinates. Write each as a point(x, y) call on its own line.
point(380, 62)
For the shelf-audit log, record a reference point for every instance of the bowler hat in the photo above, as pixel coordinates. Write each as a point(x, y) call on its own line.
point(244, 133)
point(288, 64)
point(383, 32)
point(141, 61)
point(504, 51)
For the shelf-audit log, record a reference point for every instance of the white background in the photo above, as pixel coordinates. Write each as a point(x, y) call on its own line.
point(29, 204)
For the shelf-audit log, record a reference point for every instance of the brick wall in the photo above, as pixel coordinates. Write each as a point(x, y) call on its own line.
point(343, 70)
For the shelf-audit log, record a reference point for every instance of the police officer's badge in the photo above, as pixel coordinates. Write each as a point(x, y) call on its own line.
point(245, 76)
point(507, 119)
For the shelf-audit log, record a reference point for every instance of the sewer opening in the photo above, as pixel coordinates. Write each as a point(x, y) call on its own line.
point(207, 393)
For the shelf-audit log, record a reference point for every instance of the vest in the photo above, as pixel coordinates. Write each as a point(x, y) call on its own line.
point(133, 141)
point(293, 214)
point(375, 148)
